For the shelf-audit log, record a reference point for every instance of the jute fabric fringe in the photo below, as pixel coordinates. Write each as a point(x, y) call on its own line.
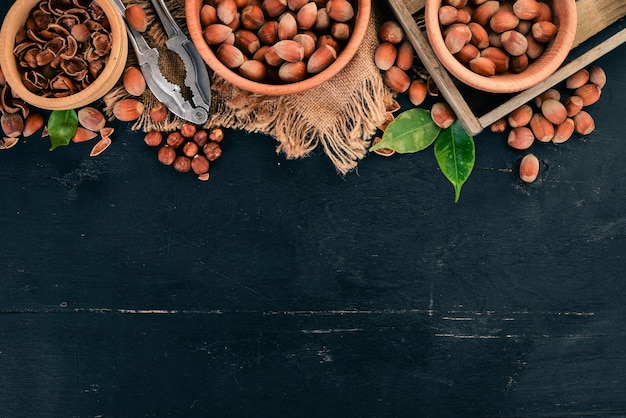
point(340, 116)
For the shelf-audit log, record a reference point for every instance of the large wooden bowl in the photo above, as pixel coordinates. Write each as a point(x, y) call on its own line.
point(555, 53)
point(192, 12)
point(14, 21)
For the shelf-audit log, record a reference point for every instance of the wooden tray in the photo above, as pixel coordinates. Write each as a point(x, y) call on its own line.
point(594, 17)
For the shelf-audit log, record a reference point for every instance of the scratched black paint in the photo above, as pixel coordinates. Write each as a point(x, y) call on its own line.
point(282, 289)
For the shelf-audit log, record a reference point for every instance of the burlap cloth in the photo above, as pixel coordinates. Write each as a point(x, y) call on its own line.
point(340, 116)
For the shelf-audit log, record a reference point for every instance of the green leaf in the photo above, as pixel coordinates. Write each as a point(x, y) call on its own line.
point(412, 131)
point(62, 125)
point(455, 154)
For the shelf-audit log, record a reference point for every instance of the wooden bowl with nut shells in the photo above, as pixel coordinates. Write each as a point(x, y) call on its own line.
point(564, 17)
point(115, 62)
point(361, 22)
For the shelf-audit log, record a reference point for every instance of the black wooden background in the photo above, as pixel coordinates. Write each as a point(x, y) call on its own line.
point(280, 288)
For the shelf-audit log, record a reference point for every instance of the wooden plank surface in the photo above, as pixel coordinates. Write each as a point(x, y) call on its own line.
point(280, 289)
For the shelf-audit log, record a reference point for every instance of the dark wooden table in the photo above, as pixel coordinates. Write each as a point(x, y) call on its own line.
point(280, 288)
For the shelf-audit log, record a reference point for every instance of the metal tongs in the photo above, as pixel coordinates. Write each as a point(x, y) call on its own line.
point(196, 78)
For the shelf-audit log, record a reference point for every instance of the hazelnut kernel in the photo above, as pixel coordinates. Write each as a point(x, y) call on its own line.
point(200, 164)
point(182, 164)
point(190, 149)
point(175, 139)
point(153, 138)
point(188, 130)
point(166, 155)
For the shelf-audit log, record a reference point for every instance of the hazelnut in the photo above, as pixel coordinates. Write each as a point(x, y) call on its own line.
point(216, 134)
point(417, 92)
point(212, 151)
point(274, 8)
point(391, 31)
point(554, 111)
point(127, 110)
point(297, 4)
point(252, 17)
point(529, 168)
point(480, 37)
point(499, 57)
point(247, 41)
point(584, 123)
point(321, 59)
point(542, 128)
point(564, 131)
point(292, 72)
point(201, 137)
point(520, 138)
point(190, 149)
point(597, 76)
point(136, 17)
point(12, 124)
point(520, 116)
point(573, 104)
point(467, 53)
point(208, 15)
point(287, 26)
point(8, 142)
point(514, 42)
point(396, 79)
point(182, 164)
point(590, 93)
point(448, 15)
point(485, 11)
point(442, 114)
point(578, 79)
point(456, 37)
point(340, 10)
point(519, 63)
point(134, 81)
point(499, 126)
point(405, 56)
point(91, 118)
point(188, 130)
point(216, 33)
point(230, 55)
point(166, 155)
point(483, 66)
point(153, 138)
point(385, 56)
point(158, 113)
point(175, 139)
point(253, 70)
point(226, 11)
point(526, 9)
point(548, 94)
point(306, 16)
point(544, 31)
point(503, 20)
point(268, 32)
point(289, 50)
point(307, 42)
point(200, 164)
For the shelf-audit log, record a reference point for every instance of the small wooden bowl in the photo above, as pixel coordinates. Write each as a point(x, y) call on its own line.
point(192, 11)
point(555, 53)
point(14, 21)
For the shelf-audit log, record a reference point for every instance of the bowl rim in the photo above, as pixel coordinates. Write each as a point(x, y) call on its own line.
point(192, 11)
point(110, 75)
point(551, 59)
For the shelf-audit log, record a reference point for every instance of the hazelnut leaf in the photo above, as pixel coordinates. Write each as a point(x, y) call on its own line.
point(62, 125)
point(455, 153)
point(412, 131)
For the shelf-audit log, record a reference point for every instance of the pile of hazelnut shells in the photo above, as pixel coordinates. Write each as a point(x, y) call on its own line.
point(277, 41)
point(493, 37)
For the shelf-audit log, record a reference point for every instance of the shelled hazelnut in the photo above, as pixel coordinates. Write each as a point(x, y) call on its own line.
point(189, 148)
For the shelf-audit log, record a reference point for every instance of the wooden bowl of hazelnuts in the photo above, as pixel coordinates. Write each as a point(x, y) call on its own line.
point(501, 46)
point(277, 47)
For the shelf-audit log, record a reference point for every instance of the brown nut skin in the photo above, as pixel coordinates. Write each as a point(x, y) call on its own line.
point(158, 113)
point(405, 56)
point(175, 139)
point(590, 93)
point(442, 114)
point(397, 79)
point(182, 164)
point(542, 128)
point(127, 110)
point(417, 92)
point(340, 10)
point(200, 164)
point(578, 79)
point(520, 138)
point(201, 137)
point(597, 76)
point(190, 149)
point(554, 111)
point(385, 55)
point(136, 17)
point(153, 138)
point(514, 42)
point(520, 116)
point(212, 151)
point(391, 31)
point(166, 155)
point(544, 31)
point(564, 131)
point(483, 66)
point(527, 9)
point(188, 130)
point(573, 104)
point(529, 168)
point(500, 58)
point(584, 123)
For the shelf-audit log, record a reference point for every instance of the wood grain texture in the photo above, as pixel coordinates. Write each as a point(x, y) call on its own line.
point(279, 288)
